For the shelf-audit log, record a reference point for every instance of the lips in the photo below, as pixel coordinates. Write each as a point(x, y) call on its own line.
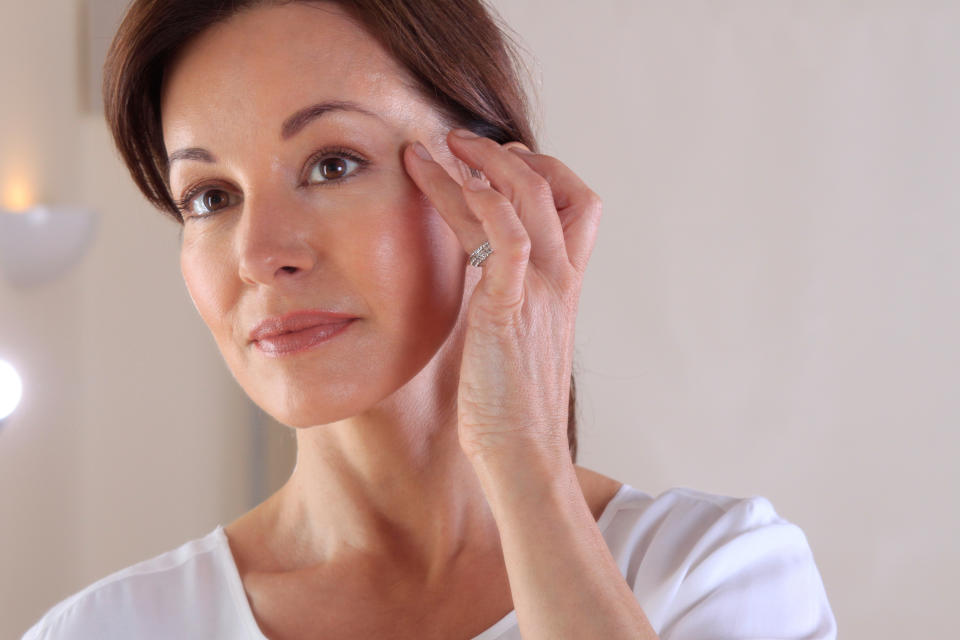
point(296, 322)
point(298, 341)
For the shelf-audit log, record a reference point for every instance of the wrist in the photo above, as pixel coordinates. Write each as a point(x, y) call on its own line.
point(521, 476)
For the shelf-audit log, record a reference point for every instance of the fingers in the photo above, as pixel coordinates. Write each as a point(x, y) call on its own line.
point(504, 277)
point(553, 216)
point(578, 207)
point(446, 195)
point(477, 213)
point(529, 192)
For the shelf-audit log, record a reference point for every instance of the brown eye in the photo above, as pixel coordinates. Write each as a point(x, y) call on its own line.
point(207, 202)
point(332, 168)
point(214, 199)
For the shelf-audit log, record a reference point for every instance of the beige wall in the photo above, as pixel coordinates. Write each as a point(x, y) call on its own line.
point(132, 436)
point(770, 307)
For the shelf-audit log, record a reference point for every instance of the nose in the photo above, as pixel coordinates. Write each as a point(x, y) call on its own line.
point(274, 241)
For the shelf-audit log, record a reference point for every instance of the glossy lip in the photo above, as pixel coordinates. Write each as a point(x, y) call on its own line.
point(296, 321)
point(287, 344)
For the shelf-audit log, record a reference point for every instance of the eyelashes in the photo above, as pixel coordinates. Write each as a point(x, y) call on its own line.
point(342, 153)
point(206, 198)
point(189, 203)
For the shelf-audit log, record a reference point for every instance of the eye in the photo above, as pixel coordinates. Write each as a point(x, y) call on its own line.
point(333, 167)
point(203, 203)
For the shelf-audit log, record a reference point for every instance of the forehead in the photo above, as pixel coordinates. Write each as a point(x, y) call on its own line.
point(273, 60)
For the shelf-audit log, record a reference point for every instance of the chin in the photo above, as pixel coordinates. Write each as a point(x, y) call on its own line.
point(302, 409)
point(305, 418)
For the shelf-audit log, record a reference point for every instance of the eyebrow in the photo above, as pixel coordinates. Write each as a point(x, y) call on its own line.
point(193, 153)
point(291, 127)
point(295, 123)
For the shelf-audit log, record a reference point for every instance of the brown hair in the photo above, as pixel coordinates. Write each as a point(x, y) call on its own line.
point(459, 56)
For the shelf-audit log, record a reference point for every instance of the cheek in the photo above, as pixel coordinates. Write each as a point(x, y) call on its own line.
point(205, 280)
point(416, 264)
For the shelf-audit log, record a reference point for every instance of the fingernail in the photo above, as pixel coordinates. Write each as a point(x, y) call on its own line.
point(465, 133)
point(521, 151)
point(421, 151)
point(475, 184)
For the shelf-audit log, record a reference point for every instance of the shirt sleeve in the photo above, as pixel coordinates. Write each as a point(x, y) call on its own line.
point(750, 575)
point(33, 633)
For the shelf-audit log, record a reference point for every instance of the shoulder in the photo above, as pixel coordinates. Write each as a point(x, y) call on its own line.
point(687, 526)
point(713, 515)
point(598, 489)
point(148, 595)
point(702, 563)
point(691, 510)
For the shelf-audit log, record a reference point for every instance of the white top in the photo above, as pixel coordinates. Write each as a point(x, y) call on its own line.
point(701, 566)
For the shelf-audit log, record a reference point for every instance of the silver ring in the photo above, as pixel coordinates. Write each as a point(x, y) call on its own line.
point(480, 254)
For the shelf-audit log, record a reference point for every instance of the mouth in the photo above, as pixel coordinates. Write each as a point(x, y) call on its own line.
point(293, 342)
point(296, 321)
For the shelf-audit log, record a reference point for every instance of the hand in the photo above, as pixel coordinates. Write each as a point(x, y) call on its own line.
point(541, 221)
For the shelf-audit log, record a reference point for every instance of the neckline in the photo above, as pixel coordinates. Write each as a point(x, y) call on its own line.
point(239, 595)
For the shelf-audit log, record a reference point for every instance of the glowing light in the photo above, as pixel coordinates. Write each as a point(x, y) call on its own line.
point(18, 196)
point(11, 389)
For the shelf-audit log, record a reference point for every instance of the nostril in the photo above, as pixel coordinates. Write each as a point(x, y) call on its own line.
point(289, 269)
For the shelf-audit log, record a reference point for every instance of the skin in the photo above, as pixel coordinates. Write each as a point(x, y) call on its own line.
point(383, 490)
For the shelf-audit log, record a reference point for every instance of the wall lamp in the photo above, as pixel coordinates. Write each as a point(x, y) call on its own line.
point(11, 389)
point(37, 244)
point(40, 242)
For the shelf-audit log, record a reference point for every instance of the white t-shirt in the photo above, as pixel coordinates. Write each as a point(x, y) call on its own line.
point(702, 567)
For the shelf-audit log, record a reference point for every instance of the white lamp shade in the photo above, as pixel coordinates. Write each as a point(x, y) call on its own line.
point(40, 244)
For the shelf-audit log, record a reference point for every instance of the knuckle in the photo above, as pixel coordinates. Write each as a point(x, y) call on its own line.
point(570, 283)
point(538, 188)
point(504, 206)
point(594, 201)
point(553, 165)
point(519, 243)
point(519, 253)
point(592, 205)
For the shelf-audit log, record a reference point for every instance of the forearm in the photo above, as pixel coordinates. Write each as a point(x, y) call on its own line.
point(565, 583)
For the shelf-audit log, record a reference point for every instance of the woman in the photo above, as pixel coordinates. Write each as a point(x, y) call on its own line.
point(387, 268)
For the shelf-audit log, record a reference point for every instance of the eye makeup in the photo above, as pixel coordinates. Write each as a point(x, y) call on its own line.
point(187, 204)
point(329, 153)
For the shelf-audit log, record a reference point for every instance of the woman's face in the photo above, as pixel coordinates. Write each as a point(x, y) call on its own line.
point(287, 213)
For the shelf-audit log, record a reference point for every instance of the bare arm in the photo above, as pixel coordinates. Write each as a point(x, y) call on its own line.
point(565, 583)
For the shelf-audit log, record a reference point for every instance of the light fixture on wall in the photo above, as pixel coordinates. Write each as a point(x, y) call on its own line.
point(11, 388)
point(38, 243)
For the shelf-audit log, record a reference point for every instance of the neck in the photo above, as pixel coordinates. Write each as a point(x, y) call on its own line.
point(391, 486)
